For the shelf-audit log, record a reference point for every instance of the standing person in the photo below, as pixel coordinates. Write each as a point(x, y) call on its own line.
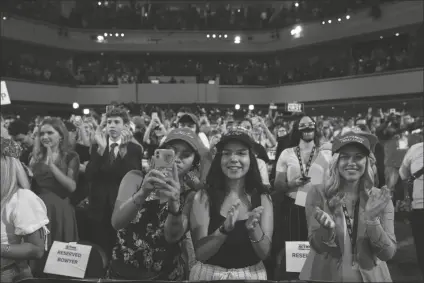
point(412, 170)
point(231, 221)
point(56, 170)
point(23, 222)
point(150, 241)
point(350, 222)
point(113, 156)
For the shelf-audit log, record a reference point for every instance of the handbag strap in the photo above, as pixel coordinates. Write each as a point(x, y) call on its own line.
point(416, 175)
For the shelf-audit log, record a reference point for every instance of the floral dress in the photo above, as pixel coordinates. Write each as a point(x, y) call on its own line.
point(141, 251)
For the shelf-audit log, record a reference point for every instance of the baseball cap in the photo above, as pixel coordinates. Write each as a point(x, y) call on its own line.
point(236, 134)
point(186, 135)
point(351, 138)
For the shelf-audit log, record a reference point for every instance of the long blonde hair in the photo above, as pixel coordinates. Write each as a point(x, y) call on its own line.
point(332, 186)
point(13, 177)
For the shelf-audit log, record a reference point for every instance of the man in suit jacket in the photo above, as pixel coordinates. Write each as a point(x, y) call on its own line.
point(112, 157)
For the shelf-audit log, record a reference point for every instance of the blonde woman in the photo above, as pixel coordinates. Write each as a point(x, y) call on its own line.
point(350, 222)
point(23, 222)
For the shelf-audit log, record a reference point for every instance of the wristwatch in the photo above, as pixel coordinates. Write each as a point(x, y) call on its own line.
point(223, 231)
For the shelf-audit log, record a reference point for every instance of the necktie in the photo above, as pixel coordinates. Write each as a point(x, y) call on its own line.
point(112, 155)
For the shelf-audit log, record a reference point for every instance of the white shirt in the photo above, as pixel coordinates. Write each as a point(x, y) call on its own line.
point(116, 149)
point(24, 214)
point(412, 162)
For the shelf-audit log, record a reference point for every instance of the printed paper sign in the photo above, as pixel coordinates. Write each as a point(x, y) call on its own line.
point(295, 107)
point(5, 98)
point(68, 259)
point(296, 255)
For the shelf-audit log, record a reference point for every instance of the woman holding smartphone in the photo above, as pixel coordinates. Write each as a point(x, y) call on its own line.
point(147, 211)
point(292, 182)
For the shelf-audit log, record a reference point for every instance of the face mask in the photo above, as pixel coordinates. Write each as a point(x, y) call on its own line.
point(307, 134)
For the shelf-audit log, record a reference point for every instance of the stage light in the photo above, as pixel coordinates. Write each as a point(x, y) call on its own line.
point(116, 34)
point(208, 35)
point(237, 39)
point(122, 35)
point(75, 105)
point(86, 111)
point(347, 17)
point(105, 34)
point(296, 4)
point(237, 106)
point(339, 19)
point(213, 35)
point(225, 36)
point(251, 107)
point(329, 21)
point(323, 22)
point(100, 38)
point(296, 31)
point(397, 34)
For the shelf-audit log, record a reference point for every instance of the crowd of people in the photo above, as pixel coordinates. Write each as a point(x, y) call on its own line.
point(332, 60)
point(202, 196)
point(209, 15)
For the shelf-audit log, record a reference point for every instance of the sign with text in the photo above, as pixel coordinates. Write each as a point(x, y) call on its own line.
point(294, 107)
point(68, 259)
point(296, 255)
point(5, 98)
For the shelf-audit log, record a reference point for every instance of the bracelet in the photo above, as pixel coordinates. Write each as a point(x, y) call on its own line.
point(257, 241)
point(138, 205)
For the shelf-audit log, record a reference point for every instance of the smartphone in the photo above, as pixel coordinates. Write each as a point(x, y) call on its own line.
point(109, 108)
point(163, 160)
point(155, 115)
point(305, 178)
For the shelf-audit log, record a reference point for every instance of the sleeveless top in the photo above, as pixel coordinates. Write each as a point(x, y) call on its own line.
point(237, 250)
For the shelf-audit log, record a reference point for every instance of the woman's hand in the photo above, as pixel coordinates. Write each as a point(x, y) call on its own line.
point(254, 217)
point(232, 216)
point(49, 156)
point(299, 182)
point(377, 201)
point(324, 219)
point(172, 190)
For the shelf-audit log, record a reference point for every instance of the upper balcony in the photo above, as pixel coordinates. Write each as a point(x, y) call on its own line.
point(393, 15)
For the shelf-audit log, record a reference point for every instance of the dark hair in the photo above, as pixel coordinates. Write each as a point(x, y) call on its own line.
point(215, 181)
point(119, 112)
point(296, 134)
point(18, 127)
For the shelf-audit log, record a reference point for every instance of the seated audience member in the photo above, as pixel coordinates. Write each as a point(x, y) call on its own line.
point(149, 213)
point(231, 221)
point(350, 222)
point(20, 132)
point(23, 221)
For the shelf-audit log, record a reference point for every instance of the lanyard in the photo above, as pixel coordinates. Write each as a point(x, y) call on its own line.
point(308, 165)
point(352, 231)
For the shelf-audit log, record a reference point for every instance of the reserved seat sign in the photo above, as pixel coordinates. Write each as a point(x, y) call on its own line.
point(296, 255)
point(68, 259)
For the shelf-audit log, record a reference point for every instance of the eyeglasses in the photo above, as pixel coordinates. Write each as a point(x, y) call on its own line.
point(306, 125)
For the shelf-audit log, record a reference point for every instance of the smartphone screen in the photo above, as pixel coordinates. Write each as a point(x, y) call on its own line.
point(155, 115)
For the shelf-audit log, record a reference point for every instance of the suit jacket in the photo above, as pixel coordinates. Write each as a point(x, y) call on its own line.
point(376, 242)
point(105, 178)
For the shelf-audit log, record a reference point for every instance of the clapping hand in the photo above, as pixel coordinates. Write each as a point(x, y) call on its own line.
point(49, 156)
point(324, 218)
point(232, 216)
point(100, 136)
point(377, 201)
point(254, 218)
point(126, 137)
